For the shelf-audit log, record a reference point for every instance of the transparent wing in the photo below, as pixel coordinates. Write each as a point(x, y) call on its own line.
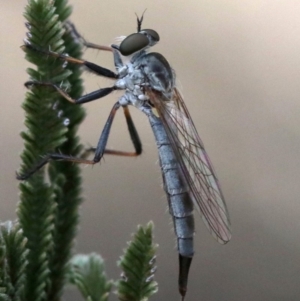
point(196, 167)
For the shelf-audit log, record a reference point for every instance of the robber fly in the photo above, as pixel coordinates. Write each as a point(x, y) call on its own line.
point(149, 84)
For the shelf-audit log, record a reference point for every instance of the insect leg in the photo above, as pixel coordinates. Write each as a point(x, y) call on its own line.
point(83, 99)
point(133, 132)
point(91, 66)
point(46, 159)
point(134, 138)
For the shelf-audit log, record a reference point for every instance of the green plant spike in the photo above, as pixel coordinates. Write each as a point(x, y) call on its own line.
point(13, 261)
point(138, 265)
point(87, 273)
point(48, 212)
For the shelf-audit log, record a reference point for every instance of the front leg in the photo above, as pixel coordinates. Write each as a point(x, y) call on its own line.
point(90, 66)
point(117, 57)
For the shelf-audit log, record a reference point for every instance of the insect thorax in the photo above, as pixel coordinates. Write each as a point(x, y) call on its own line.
point(149, 70)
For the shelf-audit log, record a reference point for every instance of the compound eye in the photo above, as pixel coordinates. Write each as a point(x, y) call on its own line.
point(133, 43)
point(152, 33)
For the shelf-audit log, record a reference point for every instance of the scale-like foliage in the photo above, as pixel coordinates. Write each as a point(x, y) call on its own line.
point(48, 212)
point(138, 265)
point(87, 273)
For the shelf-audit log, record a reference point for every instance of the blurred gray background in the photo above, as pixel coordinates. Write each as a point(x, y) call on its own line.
point(238, 66)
